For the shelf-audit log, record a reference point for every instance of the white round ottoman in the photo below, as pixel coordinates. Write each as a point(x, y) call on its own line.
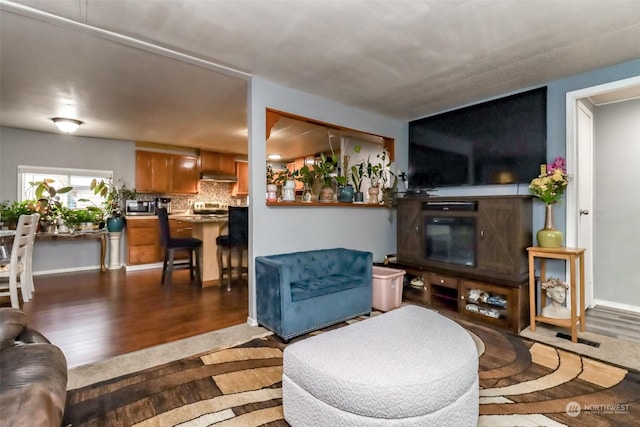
point(408, 367)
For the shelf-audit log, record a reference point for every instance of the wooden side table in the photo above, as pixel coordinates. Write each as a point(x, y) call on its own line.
point(567, 254)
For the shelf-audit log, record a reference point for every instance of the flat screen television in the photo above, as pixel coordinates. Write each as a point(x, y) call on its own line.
point(503, 141)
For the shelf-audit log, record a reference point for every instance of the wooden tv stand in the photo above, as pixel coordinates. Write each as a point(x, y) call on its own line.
point(493, 290)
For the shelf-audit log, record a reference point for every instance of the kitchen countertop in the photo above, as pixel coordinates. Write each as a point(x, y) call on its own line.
point(198, 219)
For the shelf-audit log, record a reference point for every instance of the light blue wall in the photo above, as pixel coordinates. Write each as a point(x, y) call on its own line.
point(556, 119)
point(286, 229)
point(30, 148)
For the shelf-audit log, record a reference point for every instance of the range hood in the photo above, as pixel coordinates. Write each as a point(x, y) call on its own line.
point(217, 176)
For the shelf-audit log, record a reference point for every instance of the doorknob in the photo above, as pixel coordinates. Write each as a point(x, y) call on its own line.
point(584, 211)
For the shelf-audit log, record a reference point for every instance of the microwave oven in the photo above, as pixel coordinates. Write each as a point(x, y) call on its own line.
point(140, 207)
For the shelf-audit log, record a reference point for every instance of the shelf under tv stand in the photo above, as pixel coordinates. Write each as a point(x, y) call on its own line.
point(447, 290)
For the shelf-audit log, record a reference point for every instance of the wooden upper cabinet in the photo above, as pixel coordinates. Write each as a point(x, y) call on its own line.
point(185, 174)
point(166, 173)
point(242, 172)
point(153, 172)
point(212, 161)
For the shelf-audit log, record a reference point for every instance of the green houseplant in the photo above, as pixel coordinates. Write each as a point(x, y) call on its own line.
point(324, 169)
point(48, 203)
point(307, 177)
point(114, 198)
point(10, 212)
point(357, 174)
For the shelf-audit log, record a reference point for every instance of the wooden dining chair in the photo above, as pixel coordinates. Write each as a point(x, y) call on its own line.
point(29, 263)
point(17, 268)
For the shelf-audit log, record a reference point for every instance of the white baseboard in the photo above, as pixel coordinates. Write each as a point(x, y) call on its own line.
point(616, 305)
point(143, 267)
point(66, 270)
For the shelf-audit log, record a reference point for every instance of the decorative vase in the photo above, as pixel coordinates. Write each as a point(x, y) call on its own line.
point(289, 191)
point(272, 193)
point(345, 194)
point(549, 237)
point(358, 197)
point(115, 224)
point(373, 195)
point(306, 194)
point(326, 194)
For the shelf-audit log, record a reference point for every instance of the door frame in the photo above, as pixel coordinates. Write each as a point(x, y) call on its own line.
point(572, 148)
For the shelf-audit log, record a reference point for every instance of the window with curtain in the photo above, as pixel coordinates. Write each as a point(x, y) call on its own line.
point(79, 179)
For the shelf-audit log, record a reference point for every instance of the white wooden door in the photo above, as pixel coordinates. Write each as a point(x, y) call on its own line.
point(584, 189)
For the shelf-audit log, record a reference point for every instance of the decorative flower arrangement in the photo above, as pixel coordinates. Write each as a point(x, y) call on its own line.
point(549, 186)
point(552, 282)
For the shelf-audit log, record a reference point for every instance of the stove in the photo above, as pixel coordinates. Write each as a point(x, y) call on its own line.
point(210, 208)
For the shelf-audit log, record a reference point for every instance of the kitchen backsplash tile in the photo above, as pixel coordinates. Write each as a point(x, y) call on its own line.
point(209, 192)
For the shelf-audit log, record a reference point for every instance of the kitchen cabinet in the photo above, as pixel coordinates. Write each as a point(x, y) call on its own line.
point(297, 164)
point(143, 241)
point(166, 173)
point(184, 174)
point(153, 172)
point(242, 186)
point(178, 229)
point(222, 162)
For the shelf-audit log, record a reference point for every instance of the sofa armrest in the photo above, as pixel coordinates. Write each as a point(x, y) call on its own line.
point(357, 263)
point(31, 336)
point(12, 322)
point(274, 276)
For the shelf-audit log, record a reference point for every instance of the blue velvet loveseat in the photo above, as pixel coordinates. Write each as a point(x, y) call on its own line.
point(303, 291)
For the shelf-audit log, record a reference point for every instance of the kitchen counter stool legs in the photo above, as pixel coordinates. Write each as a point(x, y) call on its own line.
point(238, 239)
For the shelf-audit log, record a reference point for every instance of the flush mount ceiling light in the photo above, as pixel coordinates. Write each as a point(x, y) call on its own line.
point(66, 125)
point(274, 156)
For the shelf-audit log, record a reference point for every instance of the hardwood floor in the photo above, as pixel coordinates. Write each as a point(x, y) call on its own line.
point(615, 323)
point(92, 316)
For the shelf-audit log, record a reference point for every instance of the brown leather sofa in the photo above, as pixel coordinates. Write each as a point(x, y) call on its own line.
point(33, 374)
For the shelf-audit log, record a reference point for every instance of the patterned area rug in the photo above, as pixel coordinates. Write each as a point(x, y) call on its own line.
point(523, 383)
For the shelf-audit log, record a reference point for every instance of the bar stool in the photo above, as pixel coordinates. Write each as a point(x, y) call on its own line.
point(237, 239)
point(171, 245)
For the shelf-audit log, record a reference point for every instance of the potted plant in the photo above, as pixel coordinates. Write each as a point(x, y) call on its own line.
point(48, 203)
point(286, 179)
point(306, 176)
point(345, 190)
point(324, 169)
point(114, 198)
point(10, 212)
point(357, 173)
point(374, 173)
point(379, 174)
point(84, 219)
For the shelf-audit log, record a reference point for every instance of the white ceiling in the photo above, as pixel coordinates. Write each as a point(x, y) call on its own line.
point(176, 71)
